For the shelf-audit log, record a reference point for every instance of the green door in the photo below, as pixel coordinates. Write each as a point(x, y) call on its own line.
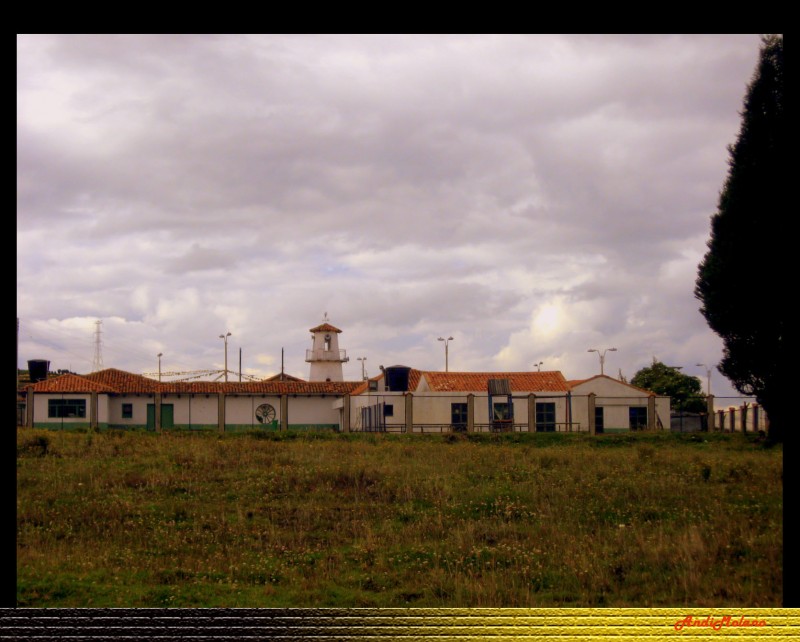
point(167, 416)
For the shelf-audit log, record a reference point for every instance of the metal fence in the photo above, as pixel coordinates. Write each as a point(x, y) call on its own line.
point(559, 413)
point(739, 414)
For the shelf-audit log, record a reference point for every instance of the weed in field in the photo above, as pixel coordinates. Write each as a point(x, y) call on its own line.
point(207, 520)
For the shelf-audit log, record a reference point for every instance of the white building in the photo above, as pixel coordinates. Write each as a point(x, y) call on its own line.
point(406, 400)
point(112, 399)
point(401, 399)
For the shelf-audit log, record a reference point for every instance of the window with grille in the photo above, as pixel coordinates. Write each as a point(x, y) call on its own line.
point(66, 408)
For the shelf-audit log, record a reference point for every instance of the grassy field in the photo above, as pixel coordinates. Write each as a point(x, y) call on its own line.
point(130, 519)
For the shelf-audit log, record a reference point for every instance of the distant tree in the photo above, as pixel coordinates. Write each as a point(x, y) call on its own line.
point(684, 391)
point(748, 252)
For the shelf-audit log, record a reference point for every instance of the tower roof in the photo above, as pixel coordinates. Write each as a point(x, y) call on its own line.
point(325, 327)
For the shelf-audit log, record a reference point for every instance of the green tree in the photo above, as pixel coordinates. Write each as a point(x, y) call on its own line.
point(684, 391)
point(748, 249)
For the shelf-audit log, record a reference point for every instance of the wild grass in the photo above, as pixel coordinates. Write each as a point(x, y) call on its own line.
point(132, 519)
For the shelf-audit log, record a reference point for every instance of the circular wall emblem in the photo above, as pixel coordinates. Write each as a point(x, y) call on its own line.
point(265, 413)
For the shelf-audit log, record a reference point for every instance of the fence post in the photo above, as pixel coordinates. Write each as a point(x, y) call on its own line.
point(284, 412)
point(591, 410)
point(220, 411)
point(409, 412)
point(93, 421)
point(531, 412)
point(157, 410)
point(569, 411)
point(651, 412)
point(710, 411)
point(29, 402)
point(346, 413)
point(470, 412)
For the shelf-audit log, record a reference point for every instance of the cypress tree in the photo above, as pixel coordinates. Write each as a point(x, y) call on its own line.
point(748, 249)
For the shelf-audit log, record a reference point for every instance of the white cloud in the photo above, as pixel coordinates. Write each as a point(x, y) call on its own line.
point(531, 195)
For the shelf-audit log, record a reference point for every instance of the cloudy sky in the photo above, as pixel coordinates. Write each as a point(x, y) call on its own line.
point(532, 196)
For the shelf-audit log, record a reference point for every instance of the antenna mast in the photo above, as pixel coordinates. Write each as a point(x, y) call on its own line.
point(97, 364)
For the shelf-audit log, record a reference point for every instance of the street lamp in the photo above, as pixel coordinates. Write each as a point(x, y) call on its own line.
point(160, 354)
point(539, 366)
point(224, 337)
point(446, 344)
point(363, 371)
point(708, 377)
point(602, 355)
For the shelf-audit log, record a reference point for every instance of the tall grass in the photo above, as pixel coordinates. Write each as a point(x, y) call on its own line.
point(127, 519)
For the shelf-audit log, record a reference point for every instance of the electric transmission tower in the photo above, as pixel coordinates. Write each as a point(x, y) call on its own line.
point(97, 364)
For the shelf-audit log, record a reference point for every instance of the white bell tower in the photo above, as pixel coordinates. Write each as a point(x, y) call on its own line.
point(325, 357)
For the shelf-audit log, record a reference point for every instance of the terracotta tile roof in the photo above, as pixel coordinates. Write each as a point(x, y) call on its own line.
point(550, 381)
point(325, 327)
point(363, 386)
point(70, 383)
point(121, 382)
point(290, 387)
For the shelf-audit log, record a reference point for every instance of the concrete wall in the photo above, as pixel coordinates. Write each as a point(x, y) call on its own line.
point(113, 406)
point(40, 411)
point(312, 412)
point(430, 411)
point(240, 412)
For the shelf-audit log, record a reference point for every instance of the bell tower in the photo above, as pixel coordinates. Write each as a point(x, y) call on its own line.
point(325, 357)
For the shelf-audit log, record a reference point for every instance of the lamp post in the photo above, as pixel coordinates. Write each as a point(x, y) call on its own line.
point(602, 355)
point(363, 371)
point(446, 344)
point(539, 366)
point(708, 378)
point(224, 337)
point(160, 354)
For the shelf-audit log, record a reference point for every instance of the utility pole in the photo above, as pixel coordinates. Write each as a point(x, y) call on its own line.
point(446, 356)
point(602, 355)
point(224, 337)
point(708, 378)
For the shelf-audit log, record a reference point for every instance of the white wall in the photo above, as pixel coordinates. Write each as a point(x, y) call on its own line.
point(40, 408)
point(241, 410)
point(312, 410)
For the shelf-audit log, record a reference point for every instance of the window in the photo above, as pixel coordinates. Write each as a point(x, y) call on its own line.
point(66, 408)
point(501, 412)
point(458, 415)
point(599, 420)
point(373, 385)
point(637, 416)
point(127, 411)
point(388, 410)
point(546, 416)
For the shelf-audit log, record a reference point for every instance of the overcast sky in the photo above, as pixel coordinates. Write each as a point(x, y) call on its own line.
point(532, 196)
